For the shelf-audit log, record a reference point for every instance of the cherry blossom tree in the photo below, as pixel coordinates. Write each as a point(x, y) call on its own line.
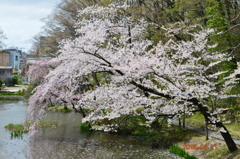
point(39, 68)
point(151, 80)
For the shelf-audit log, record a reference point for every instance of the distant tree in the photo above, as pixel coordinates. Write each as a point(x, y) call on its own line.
point(2, 37)
point(222, 17)
point(59, 25)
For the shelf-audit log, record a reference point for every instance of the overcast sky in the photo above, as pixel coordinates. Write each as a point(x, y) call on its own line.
point(20, 20)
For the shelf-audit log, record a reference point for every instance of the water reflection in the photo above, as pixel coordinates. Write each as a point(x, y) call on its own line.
point(56, 147)
point(12, 112)
point(67, 141)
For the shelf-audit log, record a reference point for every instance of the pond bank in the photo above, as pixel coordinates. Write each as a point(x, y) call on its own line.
point(13, 93)
point(11, 97)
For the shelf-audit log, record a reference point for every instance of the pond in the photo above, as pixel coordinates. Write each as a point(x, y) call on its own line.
point(67, 140)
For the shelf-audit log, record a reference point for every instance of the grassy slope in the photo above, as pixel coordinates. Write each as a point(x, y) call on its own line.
point(197, 120)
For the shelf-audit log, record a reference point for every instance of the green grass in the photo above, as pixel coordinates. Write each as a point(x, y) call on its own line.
point(223, 152)
point(234, 128)
point(15, 127)
point(10, 98)
point(175, 149)
point(7, 93)
point(43, 124)
point(16, 130)
point(197, 120)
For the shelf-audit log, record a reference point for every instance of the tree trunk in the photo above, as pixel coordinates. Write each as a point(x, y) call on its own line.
point(227, 137)
point(204, 110)
point(184, 117)
point(65, 106)
point(206, 129)
point(94, 75)
point(179, 122)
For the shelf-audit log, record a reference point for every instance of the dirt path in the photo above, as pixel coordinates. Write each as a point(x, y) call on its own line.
point(212, 134)
point(13, 89)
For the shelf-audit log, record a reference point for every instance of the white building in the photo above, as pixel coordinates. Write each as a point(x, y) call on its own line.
point(15, 60)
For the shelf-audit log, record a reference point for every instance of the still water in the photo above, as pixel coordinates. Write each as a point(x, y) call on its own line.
point(67, 141)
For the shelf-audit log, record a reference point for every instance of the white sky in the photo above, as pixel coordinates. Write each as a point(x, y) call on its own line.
point(20, 20)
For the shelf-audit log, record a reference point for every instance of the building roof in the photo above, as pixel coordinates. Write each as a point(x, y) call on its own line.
point(4, 51)
point(6, 67)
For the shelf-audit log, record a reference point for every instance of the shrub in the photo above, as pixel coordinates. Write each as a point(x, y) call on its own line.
point(16, 130)
point(175, 149)
point(16, 79)
point(85, 127)
point(1, 84)
point(20, 92)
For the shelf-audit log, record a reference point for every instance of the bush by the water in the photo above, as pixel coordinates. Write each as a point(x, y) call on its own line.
point(15, 127)
point(175, 149)
point(16, 130)
point(85, 127)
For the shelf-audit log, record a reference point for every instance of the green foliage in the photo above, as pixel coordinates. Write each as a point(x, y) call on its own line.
point(16, 134)
point(7, 93)
point(105, 112)
point(9, 126)
point(134, 126)
point(16, 130)
point(180, 152)
point(1, 84)
point(85, 127)
point(217, 20)
point(16, 79)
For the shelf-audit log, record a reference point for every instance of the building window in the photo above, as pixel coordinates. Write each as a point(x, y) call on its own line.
point(16, 58)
